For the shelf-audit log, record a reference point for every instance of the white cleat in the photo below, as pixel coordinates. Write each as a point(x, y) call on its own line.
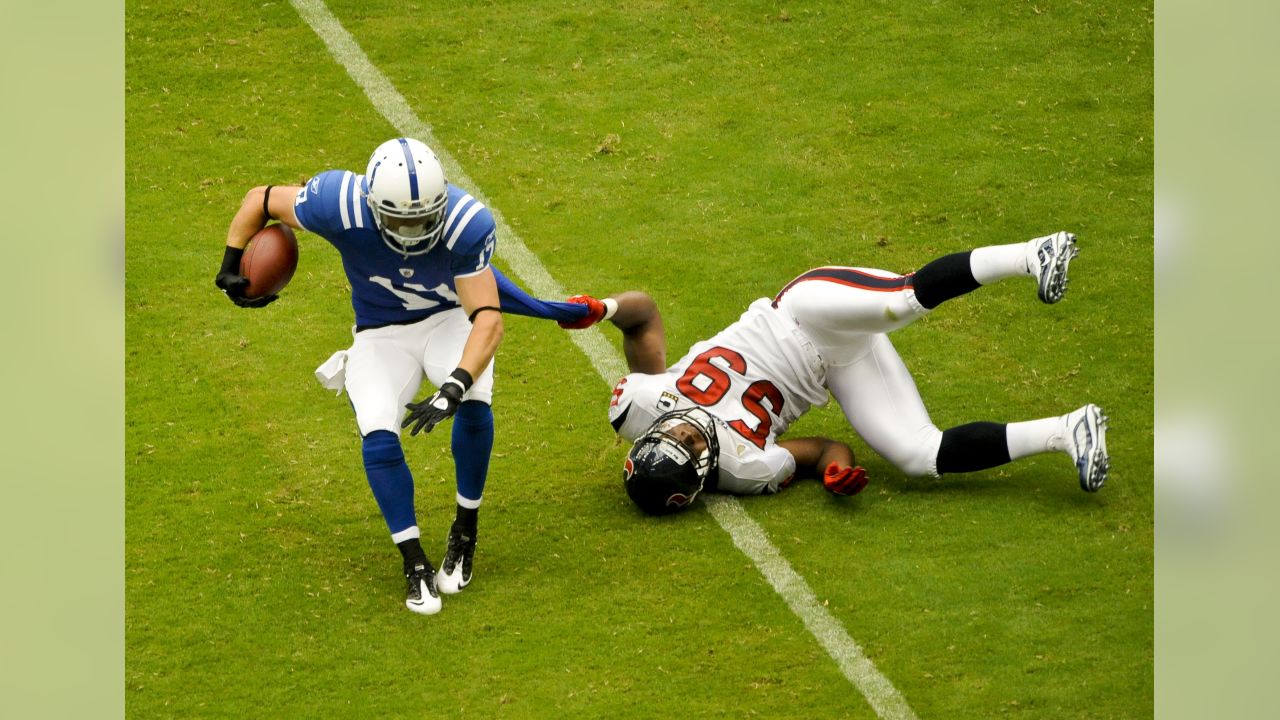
point(455, 571)
point(421, 596)
point(452, 583)
point(1048, 258)
point(1086, 441)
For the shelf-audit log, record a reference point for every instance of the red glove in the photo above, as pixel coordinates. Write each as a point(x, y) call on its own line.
point(844, 480)
point(595, 312)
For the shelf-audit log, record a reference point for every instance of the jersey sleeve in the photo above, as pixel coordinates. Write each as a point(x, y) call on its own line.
point(748, 470)
point(318, 205)
point(514, 300)
point(471, 235)
point(637, 401)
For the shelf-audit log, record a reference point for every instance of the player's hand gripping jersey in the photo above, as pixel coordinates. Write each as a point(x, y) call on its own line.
point(388, 288)
point(756, 377)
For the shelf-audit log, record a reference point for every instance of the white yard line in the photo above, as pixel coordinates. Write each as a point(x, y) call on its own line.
point(608, 363)
point(856, 666)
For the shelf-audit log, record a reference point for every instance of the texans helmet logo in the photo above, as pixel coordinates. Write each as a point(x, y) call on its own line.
point(679, 499)
point(628, 468)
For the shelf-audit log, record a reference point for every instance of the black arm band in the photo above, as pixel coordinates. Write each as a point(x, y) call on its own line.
point(231, 261)
point(266, 198)
point(463, 377)
point(472, 317)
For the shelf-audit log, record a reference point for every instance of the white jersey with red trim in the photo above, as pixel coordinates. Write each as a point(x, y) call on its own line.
point(755, 377)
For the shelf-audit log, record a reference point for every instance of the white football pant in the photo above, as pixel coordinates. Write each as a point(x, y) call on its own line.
point(848, 312)
point(385, 367)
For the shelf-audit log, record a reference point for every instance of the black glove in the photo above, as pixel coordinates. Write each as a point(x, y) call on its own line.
point(234, 284)
point(440, 406)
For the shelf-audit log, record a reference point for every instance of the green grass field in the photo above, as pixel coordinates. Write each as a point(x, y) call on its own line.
point(707, 156)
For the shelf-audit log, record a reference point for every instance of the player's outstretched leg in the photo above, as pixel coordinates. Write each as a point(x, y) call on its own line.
point(472, 444)
point(1080, 434)
point(1043, 258)
point(392, 486)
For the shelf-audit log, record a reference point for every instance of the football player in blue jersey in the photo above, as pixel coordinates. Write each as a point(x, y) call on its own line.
point(416, 251)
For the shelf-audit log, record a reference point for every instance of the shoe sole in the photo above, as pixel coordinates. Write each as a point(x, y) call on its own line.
point(1094, 464)
point(1053, 283)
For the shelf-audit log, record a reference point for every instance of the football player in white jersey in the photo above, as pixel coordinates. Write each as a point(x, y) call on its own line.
point(416, 252)
point(712, 420)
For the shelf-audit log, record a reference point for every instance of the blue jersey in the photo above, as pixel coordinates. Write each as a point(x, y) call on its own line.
point(387, 287)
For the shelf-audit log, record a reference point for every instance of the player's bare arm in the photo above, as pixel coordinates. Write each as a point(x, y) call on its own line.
point(829, 460)
point(814, 454)
point(260, 204)
point(251, 218)
point(476, 293)
point(636, 315)
point(644, 340)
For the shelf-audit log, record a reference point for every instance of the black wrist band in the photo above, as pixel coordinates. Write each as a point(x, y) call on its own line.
point(472, 317)
point(462, 377)
point(266, 198)
point(231, 261)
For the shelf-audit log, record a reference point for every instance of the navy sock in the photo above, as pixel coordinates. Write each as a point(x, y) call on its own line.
point(390, 479)
point(472, 442)
point(945, 278)
point(976, 446)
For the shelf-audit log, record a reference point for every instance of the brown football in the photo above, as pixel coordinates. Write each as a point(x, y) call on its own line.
point(269, 260)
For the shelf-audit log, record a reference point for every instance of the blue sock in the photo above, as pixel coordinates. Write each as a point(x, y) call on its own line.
point(472, 443)
point(390, 480)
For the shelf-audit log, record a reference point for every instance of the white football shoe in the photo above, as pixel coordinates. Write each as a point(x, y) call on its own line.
point(1085, 439)
point(1048, 257)
point(455, 571)
point(421, 596)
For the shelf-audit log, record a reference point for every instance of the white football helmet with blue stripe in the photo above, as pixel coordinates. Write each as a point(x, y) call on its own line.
point(407, 193)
